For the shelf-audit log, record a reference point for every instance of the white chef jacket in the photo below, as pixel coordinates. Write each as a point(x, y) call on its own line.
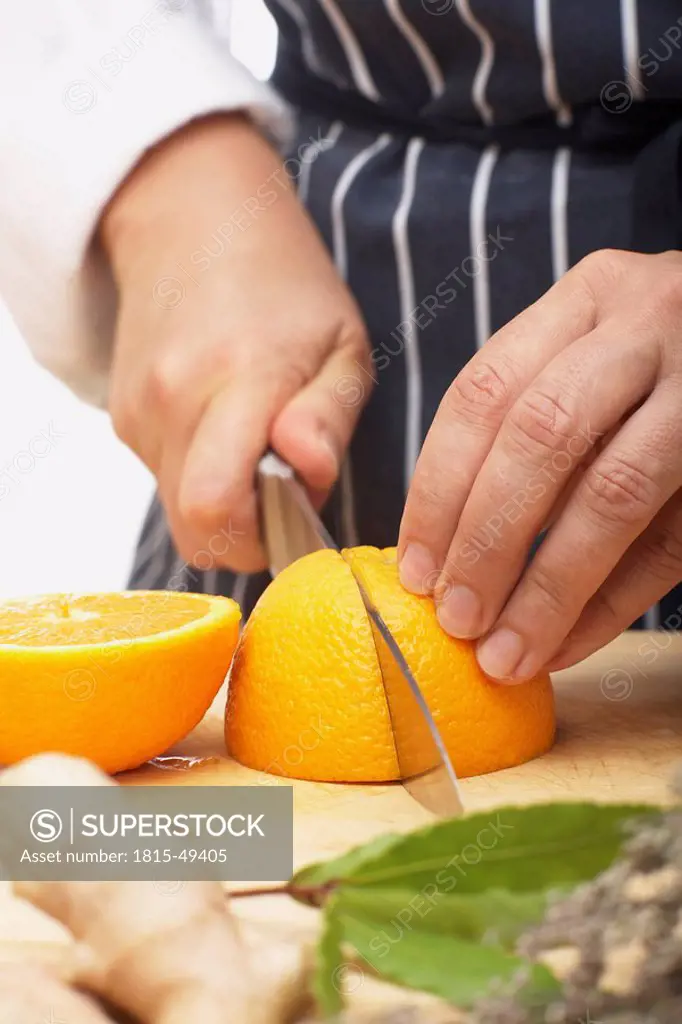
point(86, 86)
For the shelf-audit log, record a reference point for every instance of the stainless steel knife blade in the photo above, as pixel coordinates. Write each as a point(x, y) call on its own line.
point(292, 528)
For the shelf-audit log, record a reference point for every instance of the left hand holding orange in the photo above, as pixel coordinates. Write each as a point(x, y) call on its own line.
point(517, 433)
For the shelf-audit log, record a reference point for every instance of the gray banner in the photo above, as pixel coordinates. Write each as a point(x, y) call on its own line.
point(146, 833)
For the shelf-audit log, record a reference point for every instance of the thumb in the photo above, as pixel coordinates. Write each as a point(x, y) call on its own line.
point(314, 429)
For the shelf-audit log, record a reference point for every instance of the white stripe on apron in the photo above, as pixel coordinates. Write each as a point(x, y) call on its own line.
point(478, 234)
point(156, 548)
point(158, 532)
point(422, 52)
point(176, 577)
point(543, 35)
point(308, 51)
point(480, 82)
point(630, 43)
point(311, 154)
point(403, 257)
point(343, 185)
point(239, 588)
point(340, 252)
point(354, 55)
point(559, 220)
point(652, 617)
point(209, 581)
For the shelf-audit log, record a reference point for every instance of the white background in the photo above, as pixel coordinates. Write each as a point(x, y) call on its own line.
point(69, 520)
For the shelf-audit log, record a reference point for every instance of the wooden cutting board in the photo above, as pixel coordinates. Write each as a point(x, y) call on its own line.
point(619, 733)
point(619, 736)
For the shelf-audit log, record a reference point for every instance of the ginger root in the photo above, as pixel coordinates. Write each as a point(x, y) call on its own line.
point(29, 994)
point(167, 959)
point(54, 770)
point(166, 956)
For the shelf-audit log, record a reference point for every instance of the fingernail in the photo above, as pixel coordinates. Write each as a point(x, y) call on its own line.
point(500, 654)
point(459, 613)
point(417, 569)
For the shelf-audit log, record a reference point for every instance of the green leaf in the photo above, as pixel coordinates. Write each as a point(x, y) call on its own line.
point(329, 963)
point(496, 917)
point(440, 909)
point(457, 971)
point(343, 867)
point(525, 849)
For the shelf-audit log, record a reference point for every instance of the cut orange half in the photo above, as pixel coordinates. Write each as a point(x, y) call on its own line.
point(116, 678)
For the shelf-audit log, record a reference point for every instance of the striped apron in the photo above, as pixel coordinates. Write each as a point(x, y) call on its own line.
point(458, 156)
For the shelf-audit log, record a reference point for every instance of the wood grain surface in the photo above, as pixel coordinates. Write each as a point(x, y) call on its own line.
point(619, 737)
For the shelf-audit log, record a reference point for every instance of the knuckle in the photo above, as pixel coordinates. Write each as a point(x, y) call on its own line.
point(604, 605)
point(552, 593)
point(480, 393)
point(484, 538)
point(619, 492)
point(539, 424)
point(662, 551)
point(208, 508)
point(426, 498)
point(287, 372)
point(668, 292)
point(605, 265)
point(166, 382)
point(202, 512)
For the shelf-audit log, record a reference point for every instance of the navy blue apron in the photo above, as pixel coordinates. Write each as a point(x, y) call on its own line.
point(426, 130)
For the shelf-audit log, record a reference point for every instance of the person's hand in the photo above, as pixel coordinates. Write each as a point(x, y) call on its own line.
point(570, 415)
point(234, 333)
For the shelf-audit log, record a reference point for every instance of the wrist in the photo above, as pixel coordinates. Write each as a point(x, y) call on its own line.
point(210, 166)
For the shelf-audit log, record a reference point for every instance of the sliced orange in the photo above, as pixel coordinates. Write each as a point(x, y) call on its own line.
point(116, 678)
point(306, 695)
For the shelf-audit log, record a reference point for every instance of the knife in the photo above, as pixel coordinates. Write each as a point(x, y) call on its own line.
point(292, 528)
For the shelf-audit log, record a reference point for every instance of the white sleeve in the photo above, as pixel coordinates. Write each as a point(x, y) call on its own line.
point(86, 86)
